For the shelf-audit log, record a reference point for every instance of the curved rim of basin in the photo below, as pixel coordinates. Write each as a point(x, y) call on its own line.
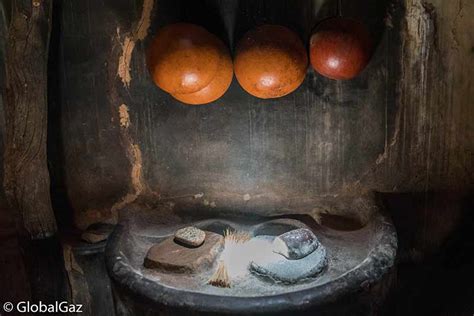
point(379, 261)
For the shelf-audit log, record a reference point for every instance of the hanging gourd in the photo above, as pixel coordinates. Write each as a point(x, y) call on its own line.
point(340, 48)
point(270, 61)
point(190, 63)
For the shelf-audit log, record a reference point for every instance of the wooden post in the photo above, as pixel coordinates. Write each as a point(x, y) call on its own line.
point(26, 183)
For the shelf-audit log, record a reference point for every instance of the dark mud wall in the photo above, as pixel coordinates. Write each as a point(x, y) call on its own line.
point(403, 125)
point(123, 138)
point(432, 145)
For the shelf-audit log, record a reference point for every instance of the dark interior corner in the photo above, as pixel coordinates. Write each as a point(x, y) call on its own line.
point(102, 167)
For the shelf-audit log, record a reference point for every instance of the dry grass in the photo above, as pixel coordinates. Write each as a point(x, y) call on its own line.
point(235, 237)
point(220, 278)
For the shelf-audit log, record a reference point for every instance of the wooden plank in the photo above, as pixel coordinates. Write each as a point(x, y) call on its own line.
point(26, 180)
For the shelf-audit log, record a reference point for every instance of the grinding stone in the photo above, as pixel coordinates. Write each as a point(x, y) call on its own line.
point(296, 244)
point(191, 236)
point(279, 269)
point(172, 257)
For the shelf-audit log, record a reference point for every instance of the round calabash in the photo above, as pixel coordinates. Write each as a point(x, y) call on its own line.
point(270, 61)
point(217, 87)
point(340, 48)
point(183, 58)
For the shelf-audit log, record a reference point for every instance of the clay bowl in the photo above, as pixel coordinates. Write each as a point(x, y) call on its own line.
point(270, 61)
point(184, 58)
point(217, 87)
point(340, 48)
point(357, 257)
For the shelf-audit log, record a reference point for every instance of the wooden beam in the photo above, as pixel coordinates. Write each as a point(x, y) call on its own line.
point(27, 183)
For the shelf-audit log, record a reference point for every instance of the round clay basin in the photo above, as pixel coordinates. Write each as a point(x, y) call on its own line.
point(358, 259)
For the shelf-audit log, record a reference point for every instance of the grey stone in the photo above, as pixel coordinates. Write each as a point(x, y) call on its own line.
point(296, 244)
point(96, 233)
point(191, 236)
point(93, 237)
point(276, 268)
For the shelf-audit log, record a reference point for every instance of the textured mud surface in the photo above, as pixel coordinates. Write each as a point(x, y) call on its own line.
point(345, 250)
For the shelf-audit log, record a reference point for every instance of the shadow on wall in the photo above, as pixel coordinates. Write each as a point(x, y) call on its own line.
point(434, 269)
point(230, 19)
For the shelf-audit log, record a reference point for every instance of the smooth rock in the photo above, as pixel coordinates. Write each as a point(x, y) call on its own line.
point(173, 257)
point(98, 232)
point(296, 244)
point(191, 236)
point(276, 268)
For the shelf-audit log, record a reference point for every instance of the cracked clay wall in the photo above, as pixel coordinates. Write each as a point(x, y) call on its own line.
point(404, 125)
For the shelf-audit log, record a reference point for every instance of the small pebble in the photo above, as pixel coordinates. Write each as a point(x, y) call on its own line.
point(191, 236)
point(93, 237)
point(96, 233)
point(198, 195)
point(296, 244)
